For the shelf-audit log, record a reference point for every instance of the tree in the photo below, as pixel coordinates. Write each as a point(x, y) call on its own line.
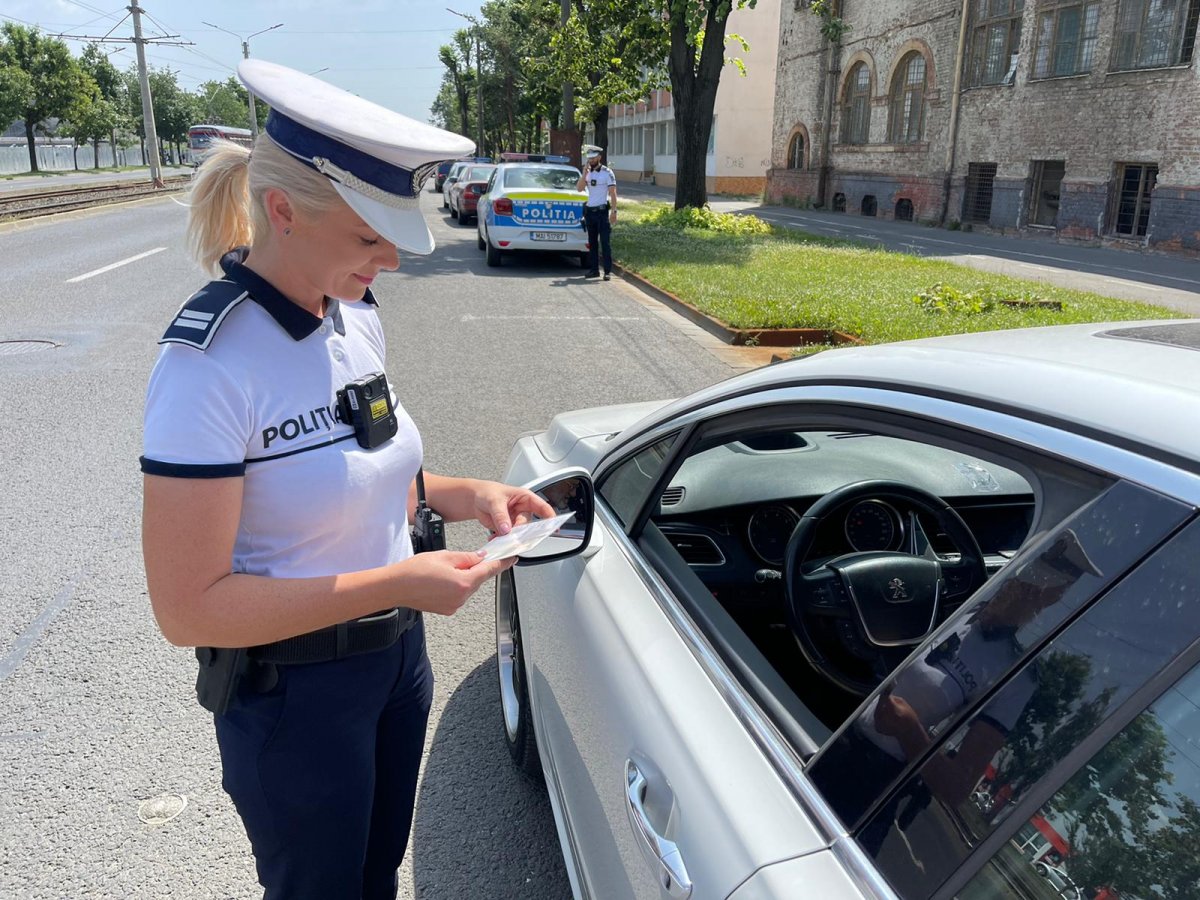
point(223, 103)
point(612, 51)
point(16, 93)
point(91, 118)
point(697, 56)
point(113, 90)
point(456, 57)
point(54, 76)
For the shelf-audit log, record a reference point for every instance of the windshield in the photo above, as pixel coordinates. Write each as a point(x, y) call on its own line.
point(558, 178)
point(479, 173)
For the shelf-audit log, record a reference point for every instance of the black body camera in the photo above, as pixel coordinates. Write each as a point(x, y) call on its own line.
point(367, 405)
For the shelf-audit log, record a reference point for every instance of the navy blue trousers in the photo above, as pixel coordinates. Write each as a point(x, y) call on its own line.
point(599, 236)
point(323, 771)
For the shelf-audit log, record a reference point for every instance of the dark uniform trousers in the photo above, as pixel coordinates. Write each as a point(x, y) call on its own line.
point(323, 770)
point(598, 226)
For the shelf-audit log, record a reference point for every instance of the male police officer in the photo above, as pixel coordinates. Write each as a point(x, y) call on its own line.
point(600, 209)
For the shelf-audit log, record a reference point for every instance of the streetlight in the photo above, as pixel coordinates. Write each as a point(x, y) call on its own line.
point(246, 55)
point(478, 74)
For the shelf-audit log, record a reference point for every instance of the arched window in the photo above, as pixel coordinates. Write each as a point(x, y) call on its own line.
point(856, 112)
point(906, 121)
point(795, 157)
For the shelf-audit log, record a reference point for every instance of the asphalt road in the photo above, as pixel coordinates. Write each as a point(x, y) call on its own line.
point(97, 711)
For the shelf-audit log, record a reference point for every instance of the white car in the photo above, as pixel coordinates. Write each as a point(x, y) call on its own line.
point(532, 206)
point(804, 615)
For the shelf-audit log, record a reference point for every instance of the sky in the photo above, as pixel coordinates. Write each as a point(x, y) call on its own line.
point(383, 50)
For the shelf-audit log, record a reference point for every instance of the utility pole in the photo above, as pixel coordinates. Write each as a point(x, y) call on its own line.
point(475, 28)
point(246, 55)
point(139, 42)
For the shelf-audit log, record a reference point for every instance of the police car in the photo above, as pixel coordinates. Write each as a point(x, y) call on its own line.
point(532, 204)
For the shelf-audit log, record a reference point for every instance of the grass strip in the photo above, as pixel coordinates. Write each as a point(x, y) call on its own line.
point(788, 279)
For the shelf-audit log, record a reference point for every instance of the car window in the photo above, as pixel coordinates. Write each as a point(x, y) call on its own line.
point(625, 489)
point(492, 181)
point(968, 787)
point(545, 177)
point(1126, 825)
point(479, 173)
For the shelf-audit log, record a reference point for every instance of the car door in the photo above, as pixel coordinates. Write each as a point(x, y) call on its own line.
point(662, 790)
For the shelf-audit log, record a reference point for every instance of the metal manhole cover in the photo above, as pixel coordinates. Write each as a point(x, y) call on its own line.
point(11, 348)
point(161, 809)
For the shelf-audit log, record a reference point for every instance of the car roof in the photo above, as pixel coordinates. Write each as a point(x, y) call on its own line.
point(1138, 382)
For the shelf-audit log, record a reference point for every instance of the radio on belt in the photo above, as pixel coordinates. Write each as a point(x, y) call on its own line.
point(367, 405)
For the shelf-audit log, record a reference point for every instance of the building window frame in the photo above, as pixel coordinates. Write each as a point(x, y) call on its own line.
point(906, 100)
point(856, 106)
point(995, 41)
point(797, 147)
point(1133, 191)
point(1154, 34)
point(1066, 39)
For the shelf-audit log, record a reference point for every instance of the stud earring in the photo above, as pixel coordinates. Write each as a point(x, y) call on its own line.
point(286, 232)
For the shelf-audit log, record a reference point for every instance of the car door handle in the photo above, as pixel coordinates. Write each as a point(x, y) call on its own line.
point(672, 874)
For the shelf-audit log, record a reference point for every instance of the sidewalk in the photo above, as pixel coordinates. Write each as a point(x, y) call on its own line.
point(23, 183)
point(1168, 281)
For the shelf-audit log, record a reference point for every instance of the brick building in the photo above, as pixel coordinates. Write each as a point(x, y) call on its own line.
point(1079, 118)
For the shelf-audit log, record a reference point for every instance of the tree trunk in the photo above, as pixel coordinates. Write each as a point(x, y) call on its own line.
point(509, 103)
point(95, 153)
point(600, 126)
point(75, 153)
point(693, 95)
point(33, 166)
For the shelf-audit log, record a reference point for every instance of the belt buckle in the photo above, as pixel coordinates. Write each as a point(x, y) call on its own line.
point(380, 616)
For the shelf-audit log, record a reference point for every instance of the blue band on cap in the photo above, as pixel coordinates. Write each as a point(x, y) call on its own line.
point(307, 144)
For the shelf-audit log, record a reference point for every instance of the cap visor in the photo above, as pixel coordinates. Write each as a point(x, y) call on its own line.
point(405, 228)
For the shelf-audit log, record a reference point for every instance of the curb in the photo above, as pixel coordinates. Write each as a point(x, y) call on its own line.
point(764, 337)
point(9, 226)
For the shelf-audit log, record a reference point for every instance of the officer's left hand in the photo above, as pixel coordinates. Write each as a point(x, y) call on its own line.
point(612, 217)
point(498, 506)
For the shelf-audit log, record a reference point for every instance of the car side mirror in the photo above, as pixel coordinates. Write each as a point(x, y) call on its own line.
point(568, 490)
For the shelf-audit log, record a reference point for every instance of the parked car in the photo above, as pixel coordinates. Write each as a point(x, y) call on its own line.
point(443, 170)
point(532, 206)
point(807, 611)
point(464, 194)
point(439, 175)
point(448, 183)
point(1059, 880)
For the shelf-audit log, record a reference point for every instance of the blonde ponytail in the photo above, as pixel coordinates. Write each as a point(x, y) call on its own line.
point(226, 198)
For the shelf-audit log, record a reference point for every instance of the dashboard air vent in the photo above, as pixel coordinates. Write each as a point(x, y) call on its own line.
point(672, 495)
point(697, 549)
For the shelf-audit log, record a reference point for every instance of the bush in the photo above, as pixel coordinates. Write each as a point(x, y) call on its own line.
point(942, 298)
point(704, 218)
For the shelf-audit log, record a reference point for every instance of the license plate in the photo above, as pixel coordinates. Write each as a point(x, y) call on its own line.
point(547, 236)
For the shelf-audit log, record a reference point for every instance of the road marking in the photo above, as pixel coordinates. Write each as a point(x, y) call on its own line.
point(29, 637)
point(115, 265)
point(470, 318)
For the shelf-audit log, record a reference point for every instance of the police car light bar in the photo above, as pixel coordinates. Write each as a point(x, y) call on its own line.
point(508, 156)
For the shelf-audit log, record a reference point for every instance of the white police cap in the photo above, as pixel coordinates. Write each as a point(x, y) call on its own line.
point(591, 151)
point(377, 159)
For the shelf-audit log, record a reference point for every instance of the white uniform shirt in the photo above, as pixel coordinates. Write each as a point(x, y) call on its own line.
point(257, 399)
point(598, 182)
point(953, 673)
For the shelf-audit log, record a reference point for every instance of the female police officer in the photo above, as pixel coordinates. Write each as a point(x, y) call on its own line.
point(276, 517)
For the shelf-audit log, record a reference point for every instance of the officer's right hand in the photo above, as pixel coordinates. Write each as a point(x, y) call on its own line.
point(441, 581)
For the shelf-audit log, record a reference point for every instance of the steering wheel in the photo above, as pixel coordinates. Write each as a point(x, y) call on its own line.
point(881, 603)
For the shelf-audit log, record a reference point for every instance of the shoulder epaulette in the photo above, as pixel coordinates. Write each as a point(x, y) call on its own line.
point(200, 317)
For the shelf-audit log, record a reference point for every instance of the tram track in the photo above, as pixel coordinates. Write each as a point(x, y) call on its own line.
point(33, 204)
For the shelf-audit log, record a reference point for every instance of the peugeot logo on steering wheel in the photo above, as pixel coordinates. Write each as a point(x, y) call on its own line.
point(897, 592)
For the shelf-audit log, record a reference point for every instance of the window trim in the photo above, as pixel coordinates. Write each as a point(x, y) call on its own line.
point(849, 96)
point(1180, 29)
point(900, 126)
point(981, 29)
point(1054, 12)
point(1066, 768)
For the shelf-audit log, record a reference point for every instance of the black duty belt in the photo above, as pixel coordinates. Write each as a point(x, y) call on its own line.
point(365, 635)
point(606, 207)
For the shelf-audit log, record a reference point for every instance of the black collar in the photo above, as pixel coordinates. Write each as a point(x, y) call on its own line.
point(299, 323)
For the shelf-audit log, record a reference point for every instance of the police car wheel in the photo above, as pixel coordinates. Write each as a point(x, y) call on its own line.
point(514, 685)
point(479, 240)
point(493, 254)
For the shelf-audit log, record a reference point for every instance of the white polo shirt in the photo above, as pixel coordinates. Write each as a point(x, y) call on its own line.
point(245, 386)
point(598, 183)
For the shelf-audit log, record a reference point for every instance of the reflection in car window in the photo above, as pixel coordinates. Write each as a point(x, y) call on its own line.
point(546, 177)
point(627, 486)
point(966, 789)
point(1126, 825)
point(1007, 618)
